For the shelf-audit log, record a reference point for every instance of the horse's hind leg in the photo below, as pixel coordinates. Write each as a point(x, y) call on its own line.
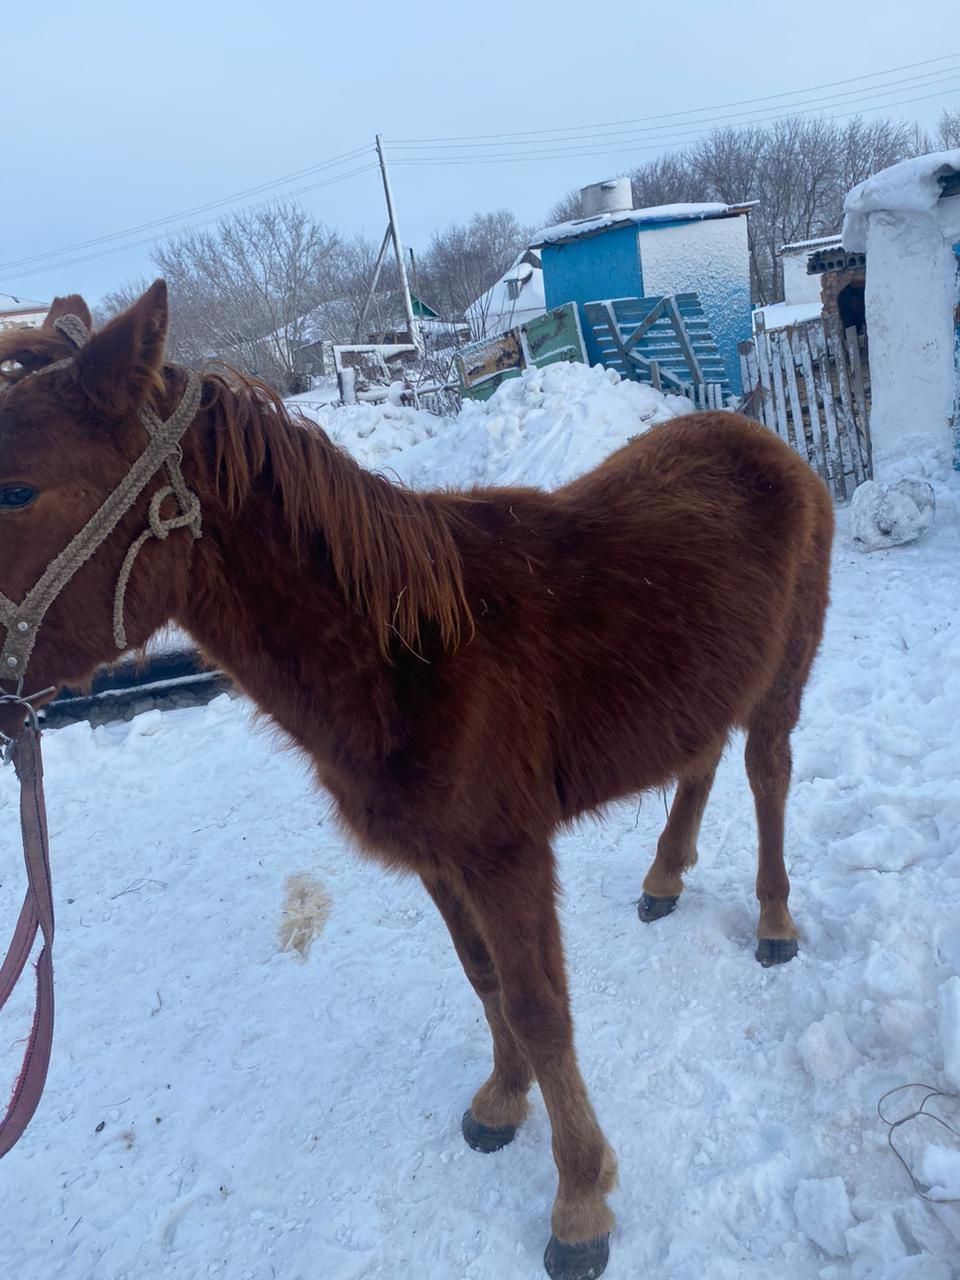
point(677, 846)
point(768, 757)
point(768, 761)
point(500, 1105)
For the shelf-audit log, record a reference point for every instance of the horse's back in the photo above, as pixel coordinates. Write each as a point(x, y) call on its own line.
point(720, 468)
point(708, 543)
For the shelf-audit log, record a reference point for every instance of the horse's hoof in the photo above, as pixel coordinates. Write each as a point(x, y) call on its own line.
point(772, 951)
point(486, 1137)
point(650, 908)
point(576, 1261)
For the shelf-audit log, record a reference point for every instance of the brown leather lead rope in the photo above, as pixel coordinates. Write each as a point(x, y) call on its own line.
point(36, 914)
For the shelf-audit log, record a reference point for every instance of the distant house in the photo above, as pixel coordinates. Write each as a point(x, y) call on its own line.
point(437, 333)
point(21, 313)
point(515, 298)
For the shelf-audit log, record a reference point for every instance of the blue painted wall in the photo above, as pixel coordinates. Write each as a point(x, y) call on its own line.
point(732, 323)
point(591, 270)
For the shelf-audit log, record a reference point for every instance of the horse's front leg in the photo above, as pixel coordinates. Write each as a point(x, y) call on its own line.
point(516, 914)
point(677, 846)
point(500, 1104)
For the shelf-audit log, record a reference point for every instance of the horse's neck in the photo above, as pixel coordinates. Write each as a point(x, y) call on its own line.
point(276, 621)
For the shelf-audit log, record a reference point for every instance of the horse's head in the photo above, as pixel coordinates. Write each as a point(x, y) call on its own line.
point(70, 432)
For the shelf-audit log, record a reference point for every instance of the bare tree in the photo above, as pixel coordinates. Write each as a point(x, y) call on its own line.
point(463, 261)
point(797, 171)
point(948, 130)
point(245, 291)
point(867, 147)
point(668, 179)
point(111, 304)
point(351, 314)
point(567, 208)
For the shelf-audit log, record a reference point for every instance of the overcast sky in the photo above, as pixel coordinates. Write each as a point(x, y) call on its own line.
point(119, 114)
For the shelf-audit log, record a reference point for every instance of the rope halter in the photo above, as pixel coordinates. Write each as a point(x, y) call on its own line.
point(22, 621)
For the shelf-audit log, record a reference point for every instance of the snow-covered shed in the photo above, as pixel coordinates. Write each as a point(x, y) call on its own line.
point(799, 284)
point(621, 252)
point(801, 289)
point(907, 221)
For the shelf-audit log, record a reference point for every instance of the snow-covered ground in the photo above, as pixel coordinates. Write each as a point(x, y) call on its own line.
point(219, 1107)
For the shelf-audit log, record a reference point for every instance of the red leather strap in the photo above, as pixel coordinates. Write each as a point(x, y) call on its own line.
point(36, 914)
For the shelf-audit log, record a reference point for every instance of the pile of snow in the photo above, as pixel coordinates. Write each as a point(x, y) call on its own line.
point(887, 515)
point(376, 434)
point(543, 428)
point(218, 1106)
point(325, 391)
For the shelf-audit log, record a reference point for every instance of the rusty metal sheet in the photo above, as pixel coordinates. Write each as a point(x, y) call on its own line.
point(488, 357)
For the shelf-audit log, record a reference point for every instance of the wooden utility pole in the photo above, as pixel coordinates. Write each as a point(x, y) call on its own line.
point(413, 324)
point(358, 331)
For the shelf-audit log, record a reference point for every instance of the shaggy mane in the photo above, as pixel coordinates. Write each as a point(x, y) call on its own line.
point(392, 549)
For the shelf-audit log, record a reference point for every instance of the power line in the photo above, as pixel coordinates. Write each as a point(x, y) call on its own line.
point(660, 144)
point(186, 213)
point(671, 115)
point(573, 142)
point(759, 115)
point(135, 244)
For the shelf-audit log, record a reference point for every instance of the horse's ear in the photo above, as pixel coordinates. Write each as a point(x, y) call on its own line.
point(71, 305)
point(122, 363)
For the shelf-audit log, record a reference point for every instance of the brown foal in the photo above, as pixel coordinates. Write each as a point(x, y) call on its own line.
point(467, 671)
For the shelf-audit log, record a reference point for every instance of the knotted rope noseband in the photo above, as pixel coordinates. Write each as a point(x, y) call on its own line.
point(22, 622)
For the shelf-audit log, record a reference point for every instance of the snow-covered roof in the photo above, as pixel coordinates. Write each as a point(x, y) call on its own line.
point(913, 186)
point(810, 244)
point(780, 315)
point(10, 304)
point(516, 297)
point(578, 227)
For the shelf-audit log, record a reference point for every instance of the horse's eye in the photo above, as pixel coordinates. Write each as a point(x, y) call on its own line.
point(18, 495)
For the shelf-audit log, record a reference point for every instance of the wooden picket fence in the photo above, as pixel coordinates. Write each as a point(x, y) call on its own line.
point(810, 383)
point(705, 395)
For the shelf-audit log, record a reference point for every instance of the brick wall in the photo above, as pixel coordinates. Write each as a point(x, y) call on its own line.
point(832, 282)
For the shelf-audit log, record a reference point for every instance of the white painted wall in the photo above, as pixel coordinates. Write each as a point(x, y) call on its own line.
point(911, 292)
point(711, 258)
point(797, 285)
